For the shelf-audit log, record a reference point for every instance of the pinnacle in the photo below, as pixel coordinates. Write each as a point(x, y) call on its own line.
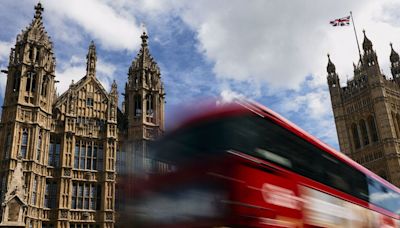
point(394, 56)
point(144, 38)
point(367, 44)
point(38, 10)
point(92, 45)
point(331, 67)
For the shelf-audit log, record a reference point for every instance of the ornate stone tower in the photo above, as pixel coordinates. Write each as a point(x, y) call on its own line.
point(367, 113)
point(140, 121)
point(26, 122)
point(85, 141)
point(57, 154)
point(144, 108)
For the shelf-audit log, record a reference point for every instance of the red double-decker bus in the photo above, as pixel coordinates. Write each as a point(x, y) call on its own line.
point(242, 165)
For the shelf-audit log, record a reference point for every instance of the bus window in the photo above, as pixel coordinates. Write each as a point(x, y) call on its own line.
point(262, 138)
point(384, 197)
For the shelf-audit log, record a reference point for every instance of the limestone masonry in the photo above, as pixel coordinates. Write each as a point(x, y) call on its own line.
point(367, 113)
point(58, 154)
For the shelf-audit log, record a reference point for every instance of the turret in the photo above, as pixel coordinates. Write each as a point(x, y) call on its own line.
point(144, 89)
point(91, 59)
point(395, 64)
point(31, 69)
point(333, 78)
point(113, 101)
point(370, 59)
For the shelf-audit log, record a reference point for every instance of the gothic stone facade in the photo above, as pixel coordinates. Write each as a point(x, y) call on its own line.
point(141, 121)
point(58, 153)
point(367, 113)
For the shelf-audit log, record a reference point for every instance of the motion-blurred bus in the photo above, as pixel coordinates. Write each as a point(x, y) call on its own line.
point(242, 165)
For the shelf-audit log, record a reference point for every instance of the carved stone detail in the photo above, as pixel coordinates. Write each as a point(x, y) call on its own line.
point(109, 216)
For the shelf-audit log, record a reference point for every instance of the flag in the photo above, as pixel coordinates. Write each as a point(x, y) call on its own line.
point(344, 21)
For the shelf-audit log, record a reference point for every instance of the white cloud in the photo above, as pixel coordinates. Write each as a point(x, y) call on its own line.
point(229, 96)
point(75, 69)
point(280, 44)
point(115, 30)
point(313, 104)
point(5, 48)
point(67, 75)
point(313, 111)
point(105, 73)
point(270, 42)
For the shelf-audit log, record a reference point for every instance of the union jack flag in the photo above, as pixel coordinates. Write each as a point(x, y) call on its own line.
point(344, 21)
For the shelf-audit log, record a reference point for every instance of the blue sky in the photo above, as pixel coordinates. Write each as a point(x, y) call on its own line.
point(273, 52)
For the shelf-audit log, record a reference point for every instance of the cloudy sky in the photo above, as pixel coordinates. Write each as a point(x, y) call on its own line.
point(271, 51)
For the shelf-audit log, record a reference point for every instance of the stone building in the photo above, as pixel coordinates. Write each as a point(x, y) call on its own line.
point(140, 121)
point(58, 154)
point(142, 118)
point(367, 113)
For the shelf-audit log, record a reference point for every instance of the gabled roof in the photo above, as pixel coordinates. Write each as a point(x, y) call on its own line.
point(77, 86)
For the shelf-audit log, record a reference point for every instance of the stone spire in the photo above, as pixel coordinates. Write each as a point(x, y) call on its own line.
point(35, 31)
point(144, 38)
point(330, 68)
point(91, 59)
point(32, 66)
point(395, 64)
point(144, 53)
point(114, 88)
point(333, 78)
point(367, 44)
point(144, 60)
point(370, 58)
point(394, 57)
point(38, 11)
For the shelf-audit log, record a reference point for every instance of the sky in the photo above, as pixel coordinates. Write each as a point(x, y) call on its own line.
point(273, 52)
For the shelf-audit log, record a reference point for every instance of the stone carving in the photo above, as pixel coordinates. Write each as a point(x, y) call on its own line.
point(109, 216)
point(64, 214)
point(67, 172)
point(85, 215)
point(88, 175)
point(110, 176)
point(14, 205)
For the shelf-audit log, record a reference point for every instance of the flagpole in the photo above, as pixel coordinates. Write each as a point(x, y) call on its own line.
point(355, 33)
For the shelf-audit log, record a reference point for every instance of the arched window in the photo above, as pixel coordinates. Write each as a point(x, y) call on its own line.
point(398, 124)
point(364, 132)
point(7, 145)
point(24, 143)
point(372, 128)
point(16, 81)
point(54, 151)
point(138, 105)
point(149, 105)
point(39, 146)
point(31, 54)
point(37, 56)
point(43, 91)
point(395, 124)
point(356, 137)
point(34, 191)
point(31, 82)
point(28, 82)
point(138, 79)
